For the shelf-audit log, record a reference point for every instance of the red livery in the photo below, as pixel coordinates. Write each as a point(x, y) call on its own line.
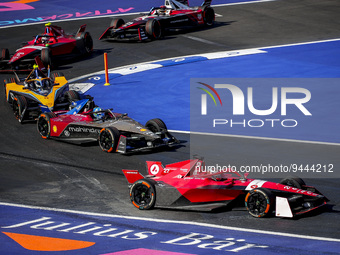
point(53, 46)
point(188, 185)
point(172, 16)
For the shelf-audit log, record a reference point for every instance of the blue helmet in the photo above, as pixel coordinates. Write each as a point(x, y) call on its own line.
point(99, 115)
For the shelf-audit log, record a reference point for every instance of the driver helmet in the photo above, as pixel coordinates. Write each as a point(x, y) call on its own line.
point(97, 114)
point(38, 83)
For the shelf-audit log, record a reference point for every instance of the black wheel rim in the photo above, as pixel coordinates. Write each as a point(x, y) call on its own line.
point(142, 195)
point(153, 128)
point(43, 127)
point(257, 203)
point(106, 140)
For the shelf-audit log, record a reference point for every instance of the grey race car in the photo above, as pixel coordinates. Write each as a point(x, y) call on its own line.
point(115, 132)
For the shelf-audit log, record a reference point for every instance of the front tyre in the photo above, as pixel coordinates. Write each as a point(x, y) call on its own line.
point(293, 181)
point(156, 125)
point(19, 107)
point(153, 29)
point(108, 139)
point(117, 23)
point(259, 202)
point(143, 195)
point(44, 124)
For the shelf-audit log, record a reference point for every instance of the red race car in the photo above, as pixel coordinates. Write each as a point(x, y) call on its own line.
point(189, 185)
point(173, 15)
point(53, 46)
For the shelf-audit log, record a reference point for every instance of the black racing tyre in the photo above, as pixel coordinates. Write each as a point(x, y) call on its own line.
point(44, 124)
point(208, 16)
point(88, 42)
point(156, 125)
point(4, 54)
point(108, 139)
point(46, 57)
point(259, 202)
point(293, 181)
point(57, 74)
point(19, 107)
point(143, 194)
point(117, 23)
point(71, 96)
point(153, 29)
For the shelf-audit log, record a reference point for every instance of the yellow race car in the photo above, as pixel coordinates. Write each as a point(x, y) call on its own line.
point(31, 95)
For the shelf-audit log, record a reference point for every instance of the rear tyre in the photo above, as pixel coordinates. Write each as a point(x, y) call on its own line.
point(108, 139)
point(117, 23)
point(19, 107)
point(208, 16)
point(44, 124)
point(156, 125)
point(293, 181)
point(71, 96)
point(57, 74)
point(143, 195)
point(259, 202)
point(153, 29)
point(5, 54)
point(88, 42)
point(46, 57)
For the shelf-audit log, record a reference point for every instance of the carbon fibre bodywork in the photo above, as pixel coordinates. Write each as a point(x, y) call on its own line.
point(115, 132)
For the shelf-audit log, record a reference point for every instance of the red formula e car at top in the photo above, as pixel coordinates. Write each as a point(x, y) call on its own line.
point(53, 47)
point(115, 132)
point(173, 15)
point(188, 185)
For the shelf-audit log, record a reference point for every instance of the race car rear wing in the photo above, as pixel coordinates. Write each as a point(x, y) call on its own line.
point(132, 175)
point(206, 3)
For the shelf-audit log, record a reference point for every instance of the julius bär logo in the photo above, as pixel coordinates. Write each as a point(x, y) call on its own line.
point(282, 101)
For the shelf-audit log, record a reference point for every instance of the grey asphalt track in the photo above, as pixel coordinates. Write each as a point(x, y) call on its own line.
point(39, 172)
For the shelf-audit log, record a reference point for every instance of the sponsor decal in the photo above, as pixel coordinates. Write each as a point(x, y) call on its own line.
point(42, 243)
point(62, 16)
point(17, 6)
point(255, 184)
point(154, 169)
point(83, 130)
point(24, 229)
point(55, 129)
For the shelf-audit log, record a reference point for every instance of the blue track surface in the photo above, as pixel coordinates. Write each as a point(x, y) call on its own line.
point(18, 13)
point(164, 90)
point(109, 234)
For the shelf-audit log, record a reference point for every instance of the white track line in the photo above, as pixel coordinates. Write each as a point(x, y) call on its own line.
point(255, 137)
point(175, 221)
